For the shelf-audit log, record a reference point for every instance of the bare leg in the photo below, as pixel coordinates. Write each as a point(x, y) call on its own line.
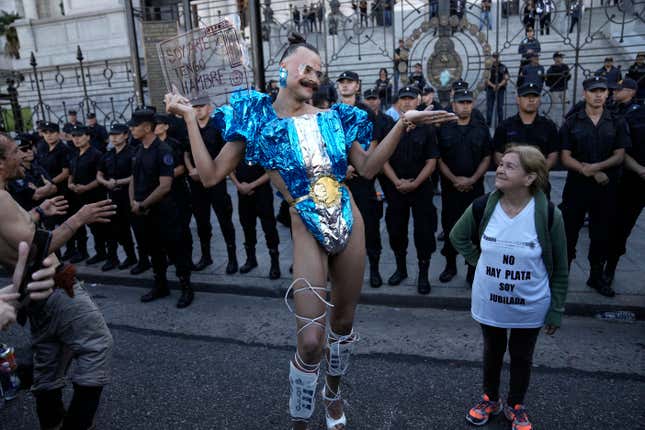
point(347, 271)
point(310, 263)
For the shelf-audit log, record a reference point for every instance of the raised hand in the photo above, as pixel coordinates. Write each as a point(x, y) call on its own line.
point(178, 104)
point(55, 206)
point(97, 212)
point(426, 117)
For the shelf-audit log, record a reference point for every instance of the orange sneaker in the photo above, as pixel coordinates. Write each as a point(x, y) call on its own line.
point(518, 416)
point(480, 413)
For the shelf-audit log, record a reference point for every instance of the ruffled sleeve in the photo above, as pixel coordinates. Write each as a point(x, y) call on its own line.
point(356, 125)
point(243, 119)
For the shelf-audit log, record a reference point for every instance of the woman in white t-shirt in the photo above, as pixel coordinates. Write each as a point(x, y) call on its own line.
point(515, 238)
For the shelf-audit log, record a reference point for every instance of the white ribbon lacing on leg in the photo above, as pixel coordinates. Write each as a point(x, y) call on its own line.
point(309, 321)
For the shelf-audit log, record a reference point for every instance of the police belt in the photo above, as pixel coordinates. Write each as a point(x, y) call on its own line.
point(324, 191)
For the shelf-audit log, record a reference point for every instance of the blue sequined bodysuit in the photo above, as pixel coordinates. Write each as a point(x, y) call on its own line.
point(309, 152)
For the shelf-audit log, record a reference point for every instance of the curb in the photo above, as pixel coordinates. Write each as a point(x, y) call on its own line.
point(443, 301)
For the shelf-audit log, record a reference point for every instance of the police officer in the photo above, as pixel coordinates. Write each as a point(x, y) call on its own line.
point(85, 189)
point(529, 43)
point(457, 85)
point(593, 143)
point(179, 191)
point(557, 78)
point(156, 219)
point(216, 197)
point(528, 127)
point(72, 121)
point(611, 73)
point(32, 189)
point(532, 72)
point(637, 73)
point(631, 198)
point(465, 151)
point(382, 121)
point(255, 200)
point(53, 156)
point(363, 189)
point(408, 188)
point(496, 89)
point(114, 174)
point(98, 134)
point(428, 99)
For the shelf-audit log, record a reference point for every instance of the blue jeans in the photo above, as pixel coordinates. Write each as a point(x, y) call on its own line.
point(485, 17)
point(491, 99)
point(388, 18)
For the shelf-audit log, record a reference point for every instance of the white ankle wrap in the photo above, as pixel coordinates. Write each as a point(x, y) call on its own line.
point(340, 348)
point(303, 393)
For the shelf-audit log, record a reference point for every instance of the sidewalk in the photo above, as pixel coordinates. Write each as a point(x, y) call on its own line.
point(581, 300)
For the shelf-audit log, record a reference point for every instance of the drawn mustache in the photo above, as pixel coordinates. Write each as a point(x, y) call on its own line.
point(309, 84)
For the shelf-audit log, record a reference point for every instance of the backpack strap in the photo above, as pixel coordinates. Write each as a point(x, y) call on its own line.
point(550, 214)
point(478, 208)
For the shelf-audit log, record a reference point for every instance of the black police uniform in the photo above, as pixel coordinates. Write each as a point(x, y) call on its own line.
point(591, 143)
point(118, 165)
point(637, 73)
point(462, 148)
point(216, 197)
point(631, 195)
point(83, 168)
point(541, 133)
point(159, 229)
point(180, 192)
point(254, 206)
point(414, 150)
point(531, 73)
point(98, 137)
point(21, 188)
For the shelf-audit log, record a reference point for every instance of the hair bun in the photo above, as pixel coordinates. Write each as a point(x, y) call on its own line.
point(296, 38)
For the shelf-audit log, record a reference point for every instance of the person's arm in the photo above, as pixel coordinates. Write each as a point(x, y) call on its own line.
point(179, 171)
point(551, 160)
point(61, 177)
point(424, 174)
point(165, 183)
point(92, 185)
point(260, 181)
point(461, 237)
point(369, 165)
point(559, 281)
point(210, 171)
point(390, 173)
point(131, 191)
point(100, 178)
point(617, 158)
point(571, 163)
point(481, 169)
point(633, 165)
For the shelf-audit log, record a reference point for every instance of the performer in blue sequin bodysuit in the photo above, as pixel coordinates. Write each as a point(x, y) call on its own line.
point(306, 152)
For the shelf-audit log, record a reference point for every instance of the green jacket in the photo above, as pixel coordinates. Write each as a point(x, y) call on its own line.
point(553, 243)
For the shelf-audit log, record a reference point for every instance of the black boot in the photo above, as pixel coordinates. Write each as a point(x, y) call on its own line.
point(251, 262)
point(596, 282)
point(470, 276)
point(159, 290)
point(80, 254)
point(111, 264)
point(206, 259)
point(610, 271)
point(142, 266)
point(401, 271)
point(274, 271)
point(187, 294)
point(450, 271)
point(130, 260)
point(100, 256)
point(423, 284)
point(70, 250)
point(231, 266)
point(375, 277)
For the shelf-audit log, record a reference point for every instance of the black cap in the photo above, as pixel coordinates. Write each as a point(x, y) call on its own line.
point(463, 96)
point(610, 59)
point(50, 126)
point(370, 94)
point(71, 112)
point(558, 54)
point(91, 115)
point(118, 128)
point(409, 91)
point(202, 100)
point(162, 118)
point(352, 76)
point(628, 83)
point(79, 130)
point(495, 55)
point(529, 88)
point(595, 83)
point(140, 116)
point(460, 84)
point(427, 90)
point(532, 54)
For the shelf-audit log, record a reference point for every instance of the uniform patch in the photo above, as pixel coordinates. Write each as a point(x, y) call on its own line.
point(168, 160)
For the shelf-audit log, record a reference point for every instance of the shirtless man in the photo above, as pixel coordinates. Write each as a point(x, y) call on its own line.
point(60, 324)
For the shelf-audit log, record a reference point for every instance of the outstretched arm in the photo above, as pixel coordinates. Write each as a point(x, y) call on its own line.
point(368, 164)
point(211, 172)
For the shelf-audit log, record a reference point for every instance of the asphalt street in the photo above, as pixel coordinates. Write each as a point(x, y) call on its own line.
point(222, 364)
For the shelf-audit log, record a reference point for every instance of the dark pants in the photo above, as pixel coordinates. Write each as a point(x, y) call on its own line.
point(545, 24)
point(574, 22)
point(397, 216)
point(521, 346)
point(218, 198)
point(453, 205)
point(581, 196)
point(118, 229)
point(371, 210)
point(160, 233)
point(492, 98)
point(99, 231)
point(258, 205)
point(629, 205)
